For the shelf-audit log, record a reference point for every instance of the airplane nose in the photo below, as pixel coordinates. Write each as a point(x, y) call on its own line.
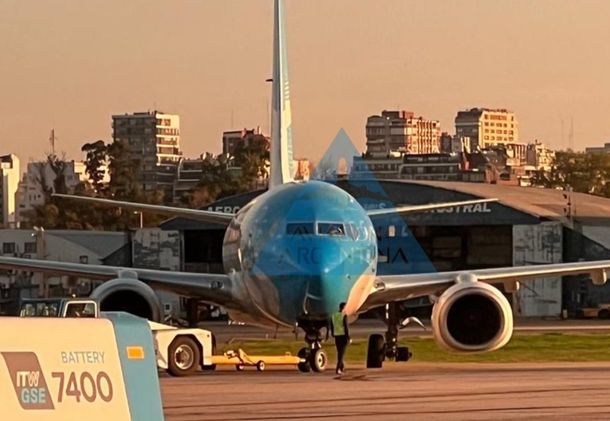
point(330, 285)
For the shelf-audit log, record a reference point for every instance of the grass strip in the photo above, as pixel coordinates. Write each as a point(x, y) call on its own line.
point(546, 347)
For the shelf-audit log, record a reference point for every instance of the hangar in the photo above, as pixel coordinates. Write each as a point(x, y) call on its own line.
point(526, 226)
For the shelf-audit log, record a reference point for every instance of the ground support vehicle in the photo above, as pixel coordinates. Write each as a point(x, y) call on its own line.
point(180, 351)
point(601, 311)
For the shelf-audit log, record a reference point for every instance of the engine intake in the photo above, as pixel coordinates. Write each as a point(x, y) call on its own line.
point(472, 317)
point(129, 295)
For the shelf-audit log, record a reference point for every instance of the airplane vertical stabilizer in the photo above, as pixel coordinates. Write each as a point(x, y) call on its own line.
point(281, 120)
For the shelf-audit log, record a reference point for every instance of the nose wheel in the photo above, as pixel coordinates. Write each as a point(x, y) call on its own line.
point(304, 366)
point(316, 360)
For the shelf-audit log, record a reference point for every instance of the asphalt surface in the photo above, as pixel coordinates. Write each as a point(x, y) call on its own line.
point(417, 391)
point(400, 391)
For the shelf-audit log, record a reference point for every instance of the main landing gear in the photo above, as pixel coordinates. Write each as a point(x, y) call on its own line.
point(380, 348)
point(315, 358)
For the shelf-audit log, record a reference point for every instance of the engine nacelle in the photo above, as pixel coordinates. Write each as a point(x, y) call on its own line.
point(472, 317)
point(129, 295)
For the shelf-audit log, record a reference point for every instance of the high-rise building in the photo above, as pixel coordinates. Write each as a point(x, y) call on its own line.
point(153, 141)
point(9, 185)
point(232, 138)
point(401, 131)
point(486, 127)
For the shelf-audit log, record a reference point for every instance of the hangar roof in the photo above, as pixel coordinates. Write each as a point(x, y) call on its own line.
point(526, 202)
point(541, 202)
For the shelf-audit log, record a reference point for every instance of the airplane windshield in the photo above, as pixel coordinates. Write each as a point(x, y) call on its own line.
point(331, 228)
point(299, 228)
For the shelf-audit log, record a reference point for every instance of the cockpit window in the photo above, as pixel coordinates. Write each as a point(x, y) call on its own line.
point(331, 228)
point(352, 231)
point(299, 228)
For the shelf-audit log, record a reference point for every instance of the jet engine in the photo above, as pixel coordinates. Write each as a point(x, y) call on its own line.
point(472, 316)
point(129, 295)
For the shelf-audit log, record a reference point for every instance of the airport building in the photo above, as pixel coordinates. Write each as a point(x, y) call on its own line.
point(527, 226)
point(401, 131)
point(9, 185)
point(59, 245)
point(153, 140)
point(143, 248)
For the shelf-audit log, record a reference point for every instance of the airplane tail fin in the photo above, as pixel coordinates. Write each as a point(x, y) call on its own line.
point(281, 122)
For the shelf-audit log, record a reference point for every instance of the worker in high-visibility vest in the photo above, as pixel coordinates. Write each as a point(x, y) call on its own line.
point(338, 325)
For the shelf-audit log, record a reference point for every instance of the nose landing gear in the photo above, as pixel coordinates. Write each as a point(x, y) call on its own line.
point(315, 358)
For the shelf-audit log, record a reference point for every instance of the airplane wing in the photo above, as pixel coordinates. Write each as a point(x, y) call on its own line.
point(392, 288)
point(200, 215)
point(208, 287)
point(405, 210)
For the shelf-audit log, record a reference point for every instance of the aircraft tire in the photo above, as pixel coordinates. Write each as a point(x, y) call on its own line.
point(375, 352)
point(304, 367)
point(184, 356)
point(318, 360)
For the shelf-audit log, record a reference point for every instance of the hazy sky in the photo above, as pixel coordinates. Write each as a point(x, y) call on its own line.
point(71, 64)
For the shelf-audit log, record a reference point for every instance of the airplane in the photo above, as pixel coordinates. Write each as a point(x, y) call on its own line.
point(294, 253)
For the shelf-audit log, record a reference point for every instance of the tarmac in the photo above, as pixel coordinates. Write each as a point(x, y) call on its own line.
point(399, 391)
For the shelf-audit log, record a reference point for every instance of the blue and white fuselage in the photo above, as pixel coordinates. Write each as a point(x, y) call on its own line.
point(301, 249)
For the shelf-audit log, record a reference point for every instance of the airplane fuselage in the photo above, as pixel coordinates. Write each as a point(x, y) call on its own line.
point(297, 251)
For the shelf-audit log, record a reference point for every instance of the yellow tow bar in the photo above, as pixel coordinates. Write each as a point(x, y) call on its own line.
point(241, 360)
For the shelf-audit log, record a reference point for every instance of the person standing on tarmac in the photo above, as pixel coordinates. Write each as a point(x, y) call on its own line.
point(338, 326)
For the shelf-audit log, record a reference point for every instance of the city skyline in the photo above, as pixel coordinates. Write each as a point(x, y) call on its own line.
point(208, 61)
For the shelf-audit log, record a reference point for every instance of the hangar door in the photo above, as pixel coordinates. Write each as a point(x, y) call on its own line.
point(538, 244)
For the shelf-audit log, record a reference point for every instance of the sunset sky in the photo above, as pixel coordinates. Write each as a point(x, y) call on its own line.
point(71, 64)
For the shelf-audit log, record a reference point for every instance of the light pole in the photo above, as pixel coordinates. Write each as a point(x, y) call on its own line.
point(141, 218)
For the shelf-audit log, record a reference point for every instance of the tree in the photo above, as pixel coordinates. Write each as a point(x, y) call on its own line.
point(252, 156)
point(216, 181)
point(125, 184)
point(585, 173)
point(124, 173)
point(58, 167)
point(97, 155)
